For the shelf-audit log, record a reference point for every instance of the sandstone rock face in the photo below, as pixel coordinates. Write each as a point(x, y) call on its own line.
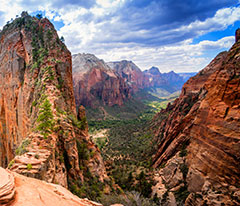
point(7, 187)
point(39, 129)
point(95, 83)
point(131, 74)
point(19, 190)
point(155, 78)
point(170, 81)
point(151, 78)
point(204, 124)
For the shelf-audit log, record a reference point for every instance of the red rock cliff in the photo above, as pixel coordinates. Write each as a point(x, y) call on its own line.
point(206, 117)
point(131, 74)
point(95, 83)
point(40, 134)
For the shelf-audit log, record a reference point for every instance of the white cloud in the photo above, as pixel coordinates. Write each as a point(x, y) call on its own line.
point(182, 57)
point(100, 30)
point(221, 20)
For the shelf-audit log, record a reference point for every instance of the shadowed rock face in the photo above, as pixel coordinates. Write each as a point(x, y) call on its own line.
point(19, 190)
point(95, 83)
point(237, 35)
point(39, 129)
point(207, 116)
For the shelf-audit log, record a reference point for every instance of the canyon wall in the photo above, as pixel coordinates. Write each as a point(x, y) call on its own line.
point(199, 137)
point(95, 84)
point(41, 136)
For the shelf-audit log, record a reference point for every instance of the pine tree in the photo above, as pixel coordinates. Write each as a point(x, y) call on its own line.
point(45, 119)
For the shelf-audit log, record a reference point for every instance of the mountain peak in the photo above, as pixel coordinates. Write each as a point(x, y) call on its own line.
point(85, 62)
point(154, 70)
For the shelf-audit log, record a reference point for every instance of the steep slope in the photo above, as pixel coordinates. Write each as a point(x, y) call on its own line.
point(150, 79)
point(130, 73)
point(203, 124)
point(187, 75)
point(96, 84)
point(155, 78)
point(19, 190)
point(174, 80)
point(170, 81)
point(39, 129)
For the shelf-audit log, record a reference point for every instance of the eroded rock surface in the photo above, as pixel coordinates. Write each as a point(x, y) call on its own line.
point(204, 124)
point(19, 190)
point(96, 84)
point(41, 136)
point(131, 73)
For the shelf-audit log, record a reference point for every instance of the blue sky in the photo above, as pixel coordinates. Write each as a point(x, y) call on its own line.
point(179, 35)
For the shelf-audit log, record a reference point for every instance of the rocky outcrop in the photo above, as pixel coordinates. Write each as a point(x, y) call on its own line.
point(148, 79)
point(96, 84)
point(237, 35)
point(19, 190)
point(130, 73)
point(170, 81)
point(7, 187)
point(174, 80)
point(203, 124)
point(155, 78)
point(41, 136)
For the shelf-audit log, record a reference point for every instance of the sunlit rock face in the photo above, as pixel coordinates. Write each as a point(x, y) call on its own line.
point(95, 83)
point(204, 124)
point(131, 74)
point(40, 134)
point(18, 190)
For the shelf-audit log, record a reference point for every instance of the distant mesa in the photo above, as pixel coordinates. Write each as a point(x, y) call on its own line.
point(96, 84)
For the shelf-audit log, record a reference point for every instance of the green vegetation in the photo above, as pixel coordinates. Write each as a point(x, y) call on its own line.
point(128, 146)
point(127, 152)
point(80, 124)
point(11, 163)
point(22, 148)
point(130, 110)
point(45, 119)
point(181, 194)
point(162, 102)
point(91, 187)
point(29, 166)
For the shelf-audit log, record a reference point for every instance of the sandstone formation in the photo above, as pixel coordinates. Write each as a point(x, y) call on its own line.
point(148, 79)
point(19, 190)
point(155, 78)
point(130, 73)
point(41, 136)
point(204, 125)
point(96, 84)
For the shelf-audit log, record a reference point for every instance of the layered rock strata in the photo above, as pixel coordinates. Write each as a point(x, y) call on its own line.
point(204, 125)
point(41, 136)
point(19, 190)
point(130, 73)
point(96, 84)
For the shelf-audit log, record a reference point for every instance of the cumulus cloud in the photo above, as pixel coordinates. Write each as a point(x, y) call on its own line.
point(150, 32)
point(181, 57)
